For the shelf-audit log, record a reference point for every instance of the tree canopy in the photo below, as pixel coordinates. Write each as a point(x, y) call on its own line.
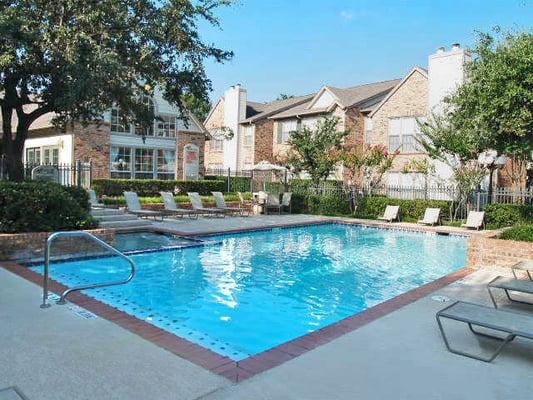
point(77, 58)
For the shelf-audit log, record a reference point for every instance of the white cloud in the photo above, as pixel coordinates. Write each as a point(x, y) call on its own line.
point(346, 15)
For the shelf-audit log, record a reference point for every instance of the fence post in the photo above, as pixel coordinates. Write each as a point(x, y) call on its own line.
point(252, 181)
point(229, 180)
point(78, 173)
point(90, 174)
point(478, 199)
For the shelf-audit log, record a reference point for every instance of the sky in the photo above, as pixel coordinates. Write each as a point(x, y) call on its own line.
point(296, 46)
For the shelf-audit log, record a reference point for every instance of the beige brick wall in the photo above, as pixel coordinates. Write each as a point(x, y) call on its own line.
point(92, 143)
point(410, 100)
point(184, 138)
point(485, 252)
point(215, 121)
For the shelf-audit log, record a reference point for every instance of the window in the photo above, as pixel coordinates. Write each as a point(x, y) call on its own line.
point(120, 162)
point(284, 130)
point(166, 164)
point(33, 156)
point(50, 155)
point(145, 129)
point(403, 134)
point(248, 135)
point(144, 163)
point(368, 130)
point(166, 126)
point(119, 123)
point(217, 140)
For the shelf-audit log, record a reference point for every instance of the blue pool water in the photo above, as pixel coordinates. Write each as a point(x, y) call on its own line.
point(253, 291)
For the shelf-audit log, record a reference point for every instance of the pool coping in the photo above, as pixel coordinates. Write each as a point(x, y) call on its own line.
point(237, 371)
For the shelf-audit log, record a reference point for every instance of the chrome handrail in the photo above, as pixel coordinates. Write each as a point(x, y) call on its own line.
point(56, 235)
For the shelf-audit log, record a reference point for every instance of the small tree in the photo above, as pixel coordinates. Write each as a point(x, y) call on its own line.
point(77, 58)
point(313, 150)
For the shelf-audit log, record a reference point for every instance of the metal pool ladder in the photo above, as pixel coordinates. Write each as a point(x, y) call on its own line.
point(88, 235)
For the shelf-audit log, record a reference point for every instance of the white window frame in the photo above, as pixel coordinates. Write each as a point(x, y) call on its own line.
point(248, 135)
point(285, 127)
point(402, 135)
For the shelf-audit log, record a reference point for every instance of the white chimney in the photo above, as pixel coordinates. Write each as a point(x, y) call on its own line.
point(235, 99)
point(446, 73)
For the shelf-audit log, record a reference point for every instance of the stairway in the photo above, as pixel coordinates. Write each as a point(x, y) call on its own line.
point(115, 218)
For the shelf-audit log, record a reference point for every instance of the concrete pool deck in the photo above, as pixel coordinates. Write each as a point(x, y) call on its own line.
point(57, 354)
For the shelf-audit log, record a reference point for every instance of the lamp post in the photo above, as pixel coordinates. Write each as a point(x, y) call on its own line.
point(489, 159)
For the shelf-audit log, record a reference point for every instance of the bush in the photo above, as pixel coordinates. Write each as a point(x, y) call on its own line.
point(152, 187)
point(410, 210)
point(42, 207)
point(500, 215)
point(519, 232)
point(236, 183)
point(121, 201)
point(80, 195)
point(328, 205)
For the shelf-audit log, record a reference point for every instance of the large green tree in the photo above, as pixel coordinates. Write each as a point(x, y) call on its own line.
point(76, 58)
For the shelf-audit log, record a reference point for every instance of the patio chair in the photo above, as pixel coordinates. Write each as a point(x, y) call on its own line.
point(172, 208)
point(431, 217)
point(221, 204)
point(272, 203)
point(246, 207)
point(197, 205)
point(93, 200)
point(474, 220)
point(286, 201)
point(513, 324)
point(509, 285)
point(133, 206)
point(390, 214)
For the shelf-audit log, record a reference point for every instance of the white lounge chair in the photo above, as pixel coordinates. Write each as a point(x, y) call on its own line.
point(431, 217)
point(390, 214)
point(134, 207)
point(246, 207)
point(197, 205)
point(272, 203)
point(171, 207)
point(474, 220)
point(286, 201)
point(93, 200)
point(221, 204)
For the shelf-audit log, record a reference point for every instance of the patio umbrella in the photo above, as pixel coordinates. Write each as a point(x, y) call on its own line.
point(266, 166)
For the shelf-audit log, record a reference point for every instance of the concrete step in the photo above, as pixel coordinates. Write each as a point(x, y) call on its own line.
point(117, 217)
point(105, 211)
point(125, 224)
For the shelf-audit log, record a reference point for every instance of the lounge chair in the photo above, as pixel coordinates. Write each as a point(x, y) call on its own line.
point(286, 201)
point(272, 203)
point(509, 285)
point(171, 207)
point(221, 204)
point(197, 205)
point(390, 214)
point(474, 220)
point(526, 265)
point(93, 200)
point(431, 217)
point(244, 205)
point(134, 207)
point(513, 324)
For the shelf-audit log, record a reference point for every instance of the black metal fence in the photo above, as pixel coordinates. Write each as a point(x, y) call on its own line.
point(77, 174)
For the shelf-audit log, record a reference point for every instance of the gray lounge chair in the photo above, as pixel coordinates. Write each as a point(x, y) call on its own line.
point(526, 265)
point(286, 201)
point(431, 216)
point(134, 207)
point(171, 207)
point(197, 205)
point(509, 285)
point(93, 200)
point(513, 324)
point(221, 204)
point(390, 214)
point(474, 220)
point(272, 203)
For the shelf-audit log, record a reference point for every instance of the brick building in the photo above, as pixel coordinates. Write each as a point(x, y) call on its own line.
point(116, 149)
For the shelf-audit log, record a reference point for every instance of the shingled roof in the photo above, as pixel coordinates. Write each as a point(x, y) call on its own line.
point(273, 107)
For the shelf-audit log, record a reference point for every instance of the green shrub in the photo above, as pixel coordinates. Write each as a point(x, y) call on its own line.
point(410, 210)
point(236, 183)
point(500, 215)
point(120, 201)
point(328, 205)
point(519, 232)
point(152, 187)
point(42, 207)
point(80, 195)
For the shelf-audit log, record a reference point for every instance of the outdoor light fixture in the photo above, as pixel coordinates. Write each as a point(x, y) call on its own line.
point(489, 159)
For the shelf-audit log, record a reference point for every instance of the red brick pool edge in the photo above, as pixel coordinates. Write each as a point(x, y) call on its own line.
point(237, 371)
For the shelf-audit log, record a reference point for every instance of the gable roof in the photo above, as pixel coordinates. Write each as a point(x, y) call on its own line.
point(268, 109)
point(420, 70)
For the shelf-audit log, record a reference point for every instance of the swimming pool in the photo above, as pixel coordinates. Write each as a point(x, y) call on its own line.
point(245, 293)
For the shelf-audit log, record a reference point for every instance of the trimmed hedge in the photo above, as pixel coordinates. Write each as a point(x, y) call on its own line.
point(500, 215)
point(152, 187)
point(328, 205)
point(42, 207)
point(120, 201)
point(410, 210)
point(519, 232)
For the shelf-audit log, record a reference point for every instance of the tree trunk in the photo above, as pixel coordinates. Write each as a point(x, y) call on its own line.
point(12, 148)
